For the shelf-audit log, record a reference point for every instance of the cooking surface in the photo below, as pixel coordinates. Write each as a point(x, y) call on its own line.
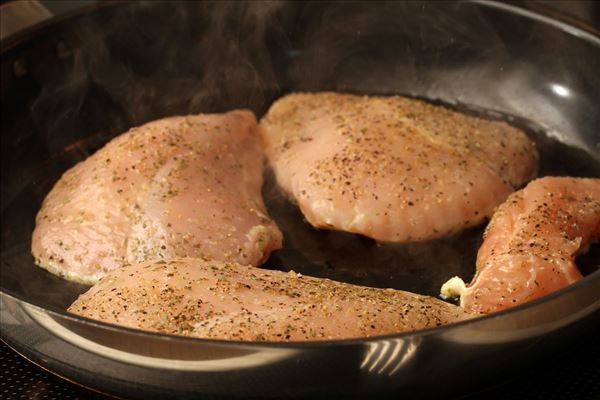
point(572, 373)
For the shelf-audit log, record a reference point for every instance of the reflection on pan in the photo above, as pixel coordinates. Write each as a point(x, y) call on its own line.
point(388, 356)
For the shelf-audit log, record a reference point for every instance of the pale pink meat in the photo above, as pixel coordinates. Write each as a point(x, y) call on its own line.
point(217, 300)
point(531, 242)
point(176, 187)
point(392, 168)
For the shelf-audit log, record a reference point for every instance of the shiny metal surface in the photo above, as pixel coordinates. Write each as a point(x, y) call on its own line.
point(66, 89)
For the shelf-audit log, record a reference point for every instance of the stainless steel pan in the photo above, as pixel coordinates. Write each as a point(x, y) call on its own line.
point(73, 83)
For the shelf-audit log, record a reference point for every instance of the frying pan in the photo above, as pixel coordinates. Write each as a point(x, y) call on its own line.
point(71, 84)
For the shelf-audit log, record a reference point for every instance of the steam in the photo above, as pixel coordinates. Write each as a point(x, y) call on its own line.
point(130, 63)
point(139, 61)
point(148, 60)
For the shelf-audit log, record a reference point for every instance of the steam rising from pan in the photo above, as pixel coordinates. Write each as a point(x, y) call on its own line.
point(149, 60)
point(145, 60)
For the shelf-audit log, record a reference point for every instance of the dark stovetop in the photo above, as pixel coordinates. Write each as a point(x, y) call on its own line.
point(573, 373)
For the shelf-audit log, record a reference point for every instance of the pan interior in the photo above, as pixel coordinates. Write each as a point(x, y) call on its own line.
point(70, 89)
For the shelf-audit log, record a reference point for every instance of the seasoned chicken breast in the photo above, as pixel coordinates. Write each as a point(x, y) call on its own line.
point(530, 244)
point(180, 186)
point(392, 168)
point(210, 299)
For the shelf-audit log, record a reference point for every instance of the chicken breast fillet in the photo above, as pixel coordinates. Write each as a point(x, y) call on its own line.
point(217, 300)
point(176, 187)
point(392, 168)
point(530, 244)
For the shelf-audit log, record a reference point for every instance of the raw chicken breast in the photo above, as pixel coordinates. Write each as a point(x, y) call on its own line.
point(530, 244)
point(176, 187)
point(392, 168)
point(216, 300)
